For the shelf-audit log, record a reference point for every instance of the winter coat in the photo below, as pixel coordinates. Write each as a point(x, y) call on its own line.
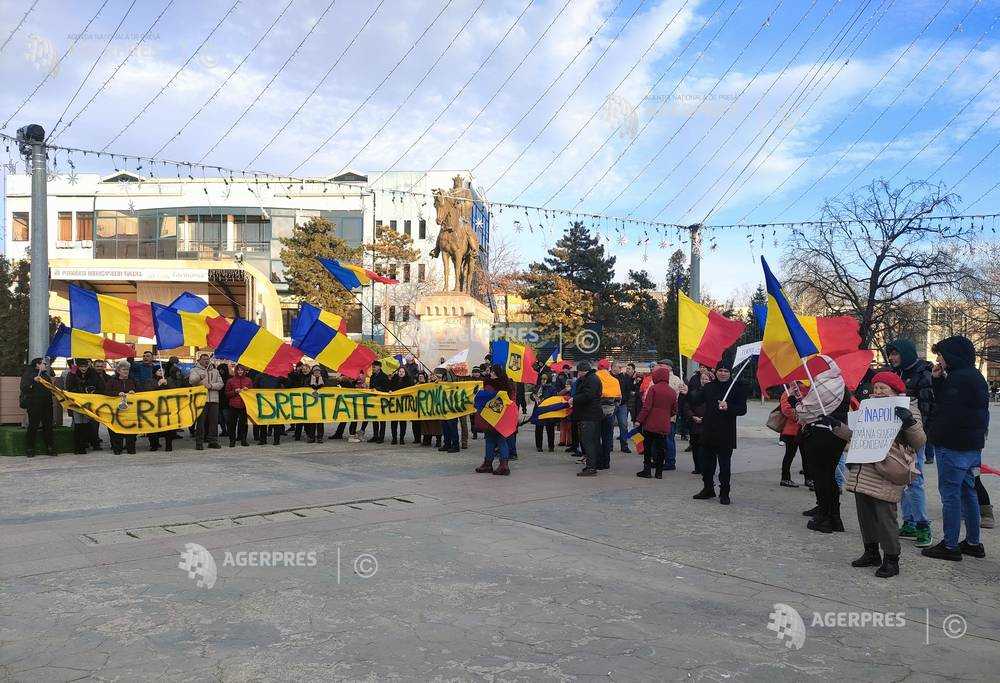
point(379, 381)
point(34, 395)
point(233, 386)
point(268, 382)
point(868, 478)
point(827, 387)
point(587, 398)
point(660, 404)
point(88, 382)
point(497, 385)
point(396, 382)
point(693, 404)
point(115, 386)
point(791, 428)
point(154, 385)
point(916, 374)
point(718, 427)
point(297, 379)
point(142, 373)
point(627, 384)
point(210, 379)
point(961, 399)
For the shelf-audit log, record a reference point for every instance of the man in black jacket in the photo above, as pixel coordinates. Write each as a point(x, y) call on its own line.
point(958, 432)
point(587, 414)
point(718, 436)
point(626, 380)
point(379, 382)
point(37, 401)
point(83, 379)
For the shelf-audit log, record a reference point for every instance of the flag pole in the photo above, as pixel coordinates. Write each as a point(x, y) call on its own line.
point(732, 382)
point(387, 329)
point(812, 384)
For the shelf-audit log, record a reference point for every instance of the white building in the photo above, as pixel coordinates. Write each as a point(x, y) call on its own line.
point(149, 239)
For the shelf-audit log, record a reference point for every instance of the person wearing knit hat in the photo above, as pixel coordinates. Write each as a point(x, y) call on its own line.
point(875, 492)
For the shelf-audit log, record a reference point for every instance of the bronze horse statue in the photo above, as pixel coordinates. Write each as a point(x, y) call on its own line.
point(457, 243)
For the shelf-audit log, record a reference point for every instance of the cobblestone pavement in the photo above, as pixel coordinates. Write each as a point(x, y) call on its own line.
point(357, 561)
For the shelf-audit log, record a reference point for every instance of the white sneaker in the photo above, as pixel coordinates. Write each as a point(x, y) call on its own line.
point(354, 439)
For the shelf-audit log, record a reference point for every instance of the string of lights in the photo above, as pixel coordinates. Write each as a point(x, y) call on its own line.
point(270, 82)
point(55, 133)
point(226, 80)
point(55, 66)
point(173, 78)
point(24, 18)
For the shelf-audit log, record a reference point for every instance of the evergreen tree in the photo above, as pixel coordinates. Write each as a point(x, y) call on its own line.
point(678, 280)
point(640, 313)
point(13, 315)
point(306, 276)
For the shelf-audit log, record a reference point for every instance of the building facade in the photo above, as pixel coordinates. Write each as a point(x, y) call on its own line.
point(148, 239)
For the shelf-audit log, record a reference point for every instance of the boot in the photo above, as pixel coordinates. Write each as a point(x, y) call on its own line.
point(890, 567)
point(724, 495)
point(486, 467)
point(243, 442)
point(811, 512)
point(705, 493)
point(647, 465)
point(277, 440)
point(232, 443)
point(503, 470)
point(870, 558)
point(820, 523)
point(986, 516)
point(836, 523)
point(659, 466)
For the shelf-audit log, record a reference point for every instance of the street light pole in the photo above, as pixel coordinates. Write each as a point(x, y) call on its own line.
point(694, 286)
point(31, 140)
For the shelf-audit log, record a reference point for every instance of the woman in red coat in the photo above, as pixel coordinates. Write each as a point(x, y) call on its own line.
point(790, 437)
point(658, 407)
point(237, 426)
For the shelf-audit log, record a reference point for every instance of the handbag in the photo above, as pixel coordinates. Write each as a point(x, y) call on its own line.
point(776, 420)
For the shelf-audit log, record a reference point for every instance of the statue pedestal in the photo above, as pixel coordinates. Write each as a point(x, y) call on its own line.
point(451, 322)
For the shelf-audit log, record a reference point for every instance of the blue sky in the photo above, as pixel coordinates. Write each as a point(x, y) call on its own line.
point(673, 155)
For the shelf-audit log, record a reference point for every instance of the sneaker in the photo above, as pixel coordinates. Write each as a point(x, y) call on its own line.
point(922, 537)
point(942, 552)
point(645, 474)
point(587, 472)
point(789, 483)
point(972, 550)
point(908, 530)
point(704, 494)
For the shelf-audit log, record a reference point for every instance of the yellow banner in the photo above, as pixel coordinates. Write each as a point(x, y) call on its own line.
point(438, 401)
point(145, 412)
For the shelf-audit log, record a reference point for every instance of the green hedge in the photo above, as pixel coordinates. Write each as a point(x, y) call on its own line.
point(13, 441)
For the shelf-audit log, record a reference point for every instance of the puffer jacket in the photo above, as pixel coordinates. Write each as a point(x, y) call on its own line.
point(210, 379)
point(828, 387)
point(660, 404)
point(961, 399)
point(916, 374)
point(868, 479)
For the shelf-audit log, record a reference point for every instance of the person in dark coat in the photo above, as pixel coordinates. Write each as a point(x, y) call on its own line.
point(718, 432)
point(658, 408)
point(958, 431)
point(159, 382)
point(37, 401)
point(694, 411)
point(265, 381)
point(588, 415)
point(399, 380)
point(298, 378)
point(378, 381)
point(626, 382)
point(235, 385)
point(123, 386)
point(545, 389)
point(81, 378)
point(496, 445)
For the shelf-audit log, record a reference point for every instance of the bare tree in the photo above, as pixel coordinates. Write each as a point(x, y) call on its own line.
point(979, 295)
point(876, 250)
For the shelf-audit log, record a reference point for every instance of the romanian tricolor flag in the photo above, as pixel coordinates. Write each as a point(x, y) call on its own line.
point(986, 469)
point(637, 440)
point(391, 363)
point(176, 328)
point(308, 314)
point(351, 276)
point(551, 408)
point(93, 312)
point(703, 334)
point(254, 347)
point(518, 359)
point(192, 303)
point(555, 363)
point(786, 341)
point(336, 350)
point(498, 410)
point(71, 343)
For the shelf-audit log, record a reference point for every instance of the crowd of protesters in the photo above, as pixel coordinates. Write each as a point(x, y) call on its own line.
point(946, 422)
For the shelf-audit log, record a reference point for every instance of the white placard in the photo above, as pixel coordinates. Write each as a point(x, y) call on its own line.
point(745, 351)
point(874, 426)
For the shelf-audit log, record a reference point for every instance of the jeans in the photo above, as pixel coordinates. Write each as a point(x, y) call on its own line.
point(621, 417)
point(590, 440)
point(512, 445)
point(709, 456)
point(957, 486)
point(671, 446)
point(840, 474)
point(913, 504)
point(496, 445)
point(929, 452)
point(449, 430)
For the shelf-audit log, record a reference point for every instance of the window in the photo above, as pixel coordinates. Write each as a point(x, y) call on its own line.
point(393, 272)
point(422, 228)
point(20, 228)
point(392, 314)
point(408, 227)
point(406, 314)
point(421, 272)
point(106, 224)
point(66, 226)
point(378, 223)
point(84, 225)
point(406, 271)
point(392, 225)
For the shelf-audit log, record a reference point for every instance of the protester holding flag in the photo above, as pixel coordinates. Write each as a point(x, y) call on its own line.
point(235, 386)
point(207, 426)
point(958, 431)
point(587, 415)
point(123, 386)
point(875, 492)
point(378, 381)
point(725, 400)
point(449, 427)
point(658, 408)
point(546, 389)
point(496, 446)
point(36, 400)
